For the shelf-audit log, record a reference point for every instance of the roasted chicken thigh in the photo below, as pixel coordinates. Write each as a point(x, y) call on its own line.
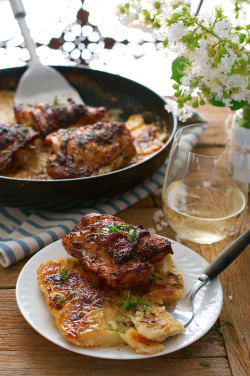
point(13, 142)
point(122, 254)
point(89, 150)
point(47, 118)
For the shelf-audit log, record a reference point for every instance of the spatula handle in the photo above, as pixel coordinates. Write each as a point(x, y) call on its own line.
point(19, 14)
point(229, 254)
point(17, 8)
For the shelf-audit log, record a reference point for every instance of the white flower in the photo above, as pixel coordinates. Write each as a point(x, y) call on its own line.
point(176, 32)
point(222, 29)
point(211, 45)
point(182, 113)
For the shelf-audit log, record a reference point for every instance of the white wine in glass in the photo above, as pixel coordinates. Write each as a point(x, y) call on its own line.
point(205, 196)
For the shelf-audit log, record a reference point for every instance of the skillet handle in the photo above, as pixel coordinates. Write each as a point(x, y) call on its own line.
point(227, 256)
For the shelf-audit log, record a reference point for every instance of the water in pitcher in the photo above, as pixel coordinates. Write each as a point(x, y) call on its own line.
point(202, 211)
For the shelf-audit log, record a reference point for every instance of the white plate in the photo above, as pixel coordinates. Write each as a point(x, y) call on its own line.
point(208, 303)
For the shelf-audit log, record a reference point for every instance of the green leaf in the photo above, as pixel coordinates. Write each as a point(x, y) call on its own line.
point(235, 105)
point(64, 274)
point(60, 299)
point(55, 101)
point(205, 364)
point(179, 66)
point(186, 352)
point(99, 305)
point(216, 103)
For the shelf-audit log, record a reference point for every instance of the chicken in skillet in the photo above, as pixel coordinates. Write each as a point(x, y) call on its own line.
point(14, 143)
point(120, 253)
point(89, 150)
point(47, 118)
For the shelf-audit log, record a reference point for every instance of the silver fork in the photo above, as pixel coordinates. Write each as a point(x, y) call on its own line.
point(184, 309)
point(39, 83)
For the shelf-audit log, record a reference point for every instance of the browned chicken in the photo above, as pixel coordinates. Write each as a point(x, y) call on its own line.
point(47, 118)
point(93, 149)
point(13, 142)
point(121, 253)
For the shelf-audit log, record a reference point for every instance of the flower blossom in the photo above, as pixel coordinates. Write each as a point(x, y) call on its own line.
point(214, 59)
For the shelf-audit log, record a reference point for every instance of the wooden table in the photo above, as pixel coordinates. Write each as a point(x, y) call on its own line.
point(24, 352)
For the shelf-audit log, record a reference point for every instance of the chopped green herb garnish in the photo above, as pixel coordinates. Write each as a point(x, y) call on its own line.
point(60, 299)
point(55, 101)
point(154, 277)
point(106, 298)
point(130, 302)
point(93, 284)
point(70, 129)
point(124, 323)
point(174, 283)
point(131, 237)
point(145, 303)
point(205, 364)
point(64, 274)
point(74, 293)
point(99, 305)
point(97, 233)
point(117, 331)
point(220, 328)
point(186, 352)
point(123, 228)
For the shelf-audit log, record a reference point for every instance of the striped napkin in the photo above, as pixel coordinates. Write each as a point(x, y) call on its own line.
point(24, 232)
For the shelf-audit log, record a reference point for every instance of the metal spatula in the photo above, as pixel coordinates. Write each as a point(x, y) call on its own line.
point(39, 83)
point(184, 310)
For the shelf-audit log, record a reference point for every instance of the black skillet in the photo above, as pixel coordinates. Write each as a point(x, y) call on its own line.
point(97, 89)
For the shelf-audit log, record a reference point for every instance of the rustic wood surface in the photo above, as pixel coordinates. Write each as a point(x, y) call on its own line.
point(24, 352)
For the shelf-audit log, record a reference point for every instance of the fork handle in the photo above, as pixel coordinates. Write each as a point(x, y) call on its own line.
point(19, 13)
point(227, 256)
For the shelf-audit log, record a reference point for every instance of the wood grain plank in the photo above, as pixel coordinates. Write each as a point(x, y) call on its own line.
point(147, 202)
point(67, 363)
point(8, 276)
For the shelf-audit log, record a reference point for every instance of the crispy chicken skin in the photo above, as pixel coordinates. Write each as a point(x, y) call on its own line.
point(47, 118)
point(13, 141)
point(93, 149)
point(122, 254)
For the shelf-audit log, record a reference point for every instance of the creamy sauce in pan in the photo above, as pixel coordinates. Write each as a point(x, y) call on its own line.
point(147, 140)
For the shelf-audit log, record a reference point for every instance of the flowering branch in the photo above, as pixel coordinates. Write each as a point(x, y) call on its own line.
point(213, 61)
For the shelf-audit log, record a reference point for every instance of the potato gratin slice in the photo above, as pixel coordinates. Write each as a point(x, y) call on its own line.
point(88, 312)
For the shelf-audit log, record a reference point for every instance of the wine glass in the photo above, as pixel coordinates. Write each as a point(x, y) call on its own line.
point(205, 189)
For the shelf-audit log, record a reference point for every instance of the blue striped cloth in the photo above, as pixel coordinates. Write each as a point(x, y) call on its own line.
point(24, 232)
